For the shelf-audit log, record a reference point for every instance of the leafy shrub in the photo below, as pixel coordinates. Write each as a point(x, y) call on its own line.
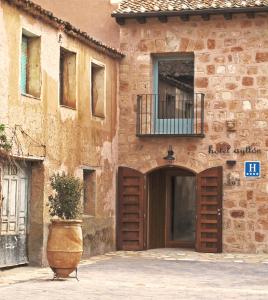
point(65, 203)
point(5, 144)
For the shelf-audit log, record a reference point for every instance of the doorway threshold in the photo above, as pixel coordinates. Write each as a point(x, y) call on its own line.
point(179, 254)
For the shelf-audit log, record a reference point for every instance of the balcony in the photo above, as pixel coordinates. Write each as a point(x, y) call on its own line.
point(170, 115)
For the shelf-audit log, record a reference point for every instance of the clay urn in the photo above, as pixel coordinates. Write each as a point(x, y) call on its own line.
point(65, 239)
point(64, 246)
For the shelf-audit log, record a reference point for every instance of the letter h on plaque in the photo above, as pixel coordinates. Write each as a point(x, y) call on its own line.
point(252, 169)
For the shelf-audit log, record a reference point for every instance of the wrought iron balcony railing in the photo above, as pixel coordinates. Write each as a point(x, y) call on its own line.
point(170, 115)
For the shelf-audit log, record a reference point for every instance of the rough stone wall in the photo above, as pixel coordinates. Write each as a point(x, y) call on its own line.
point(73, 138)
point(231, 68)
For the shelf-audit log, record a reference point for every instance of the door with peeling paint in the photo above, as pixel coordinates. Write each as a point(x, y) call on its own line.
point(13, 222)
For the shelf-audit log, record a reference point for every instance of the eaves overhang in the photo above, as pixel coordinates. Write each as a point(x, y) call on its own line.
point(121, 17)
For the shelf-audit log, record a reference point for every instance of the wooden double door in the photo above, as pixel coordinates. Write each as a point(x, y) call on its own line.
point(13, 215)
point(170, 207)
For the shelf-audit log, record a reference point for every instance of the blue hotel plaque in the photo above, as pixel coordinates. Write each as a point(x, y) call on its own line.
point(252, 169)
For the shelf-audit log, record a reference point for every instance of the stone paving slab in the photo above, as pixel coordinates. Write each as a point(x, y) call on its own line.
point(154, 274)
point(190, 255)
point(25, 273)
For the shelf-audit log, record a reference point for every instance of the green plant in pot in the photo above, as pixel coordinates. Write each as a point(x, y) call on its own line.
point(65, 240)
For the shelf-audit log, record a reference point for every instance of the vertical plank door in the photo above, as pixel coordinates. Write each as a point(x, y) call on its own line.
point(209, 211)
point(13, 223)
point(131, 210)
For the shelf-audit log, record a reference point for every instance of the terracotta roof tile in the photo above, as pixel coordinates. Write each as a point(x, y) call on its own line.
point(154, 6)
point(47, 16)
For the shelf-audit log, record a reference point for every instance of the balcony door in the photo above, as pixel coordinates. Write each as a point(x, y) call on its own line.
point(174, 90)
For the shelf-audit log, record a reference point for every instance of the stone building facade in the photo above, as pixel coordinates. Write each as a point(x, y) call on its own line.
point(159, 135)
point(229, 49)
point(55, 127)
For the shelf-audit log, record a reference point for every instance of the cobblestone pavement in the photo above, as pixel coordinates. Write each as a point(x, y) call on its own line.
point(153, 274)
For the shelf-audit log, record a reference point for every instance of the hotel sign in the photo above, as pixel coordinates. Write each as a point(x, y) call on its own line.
point(224, 148)
point(252, 169)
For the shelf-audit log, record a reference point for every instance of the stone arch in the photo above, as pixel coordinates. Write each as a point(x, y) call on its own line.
point(172, 167)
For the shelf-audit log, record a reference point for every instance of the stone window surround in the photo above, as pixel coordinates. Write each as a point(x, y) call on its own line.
point(98, 116)
point(70, 60)
point(89, 196)
point(33, 87)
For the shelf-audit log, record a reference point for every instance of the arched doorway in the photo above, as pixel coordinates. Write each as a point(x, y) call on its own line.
point(169, 207)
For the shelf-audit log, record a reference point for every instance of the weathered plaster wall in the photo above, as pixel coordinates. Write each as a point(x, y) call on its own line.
point(73, 138)
point(231, 68)
point(92, 16)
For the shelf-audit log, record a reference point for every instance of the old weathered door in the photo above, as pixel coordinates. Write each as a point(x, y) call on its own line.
point(131, 210)
point(13, 222)
point(209, 211)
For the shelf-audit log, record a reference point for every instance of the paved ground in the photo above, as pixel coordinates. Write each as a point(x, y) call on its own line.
point(155, 274)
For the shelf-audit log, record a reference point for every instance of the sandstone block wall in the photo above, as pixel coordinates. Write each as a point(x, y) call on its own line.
point(231, 68)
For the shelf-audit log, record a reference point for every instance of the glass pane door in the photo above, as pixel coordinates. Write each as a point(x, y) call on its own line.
point(182, 209)
point(174, 89)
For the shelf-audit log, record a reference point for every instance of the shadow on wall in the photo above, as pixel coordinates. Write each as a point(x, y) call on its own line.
point(98, 237)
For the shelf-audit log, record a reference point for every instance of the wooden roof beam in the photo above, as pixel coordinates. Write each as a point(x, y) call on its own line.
point(251, 15)
point(121, 21)
point(141, 20)
point(185, 18)
point(228, 16)
point(163, 19)
point(206, 17)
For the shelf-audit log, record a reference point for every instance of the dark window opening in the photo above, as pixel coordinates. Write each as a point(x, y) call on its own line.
point(89, 203)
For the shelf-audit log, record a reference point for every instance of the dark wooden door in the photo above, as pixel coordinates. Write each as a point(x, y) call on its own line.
point(156, 209)
point(131, 210)
point(209, 211)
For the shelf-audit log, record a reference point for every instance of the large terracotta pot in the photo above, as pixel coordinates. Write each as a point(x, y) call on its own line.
point(64, 246)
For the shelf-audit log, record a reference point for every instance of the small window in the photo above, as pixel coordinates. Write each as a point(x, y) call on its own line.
point(67, 78)
point(30, 81)
point(89, 178)
point(98, 90)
